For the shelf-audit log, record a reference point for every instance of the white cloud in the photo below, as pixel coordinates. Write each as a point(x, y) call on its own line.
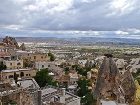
point(50, 6)
point(31, 8)
point(88, 1)
point(80, 15)
point(121, 32)
point(134, 30)
point(13, 27)
point(121, 7)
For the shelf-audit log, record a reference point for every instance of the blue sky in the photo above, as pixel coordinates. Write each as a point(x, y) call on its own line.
point(70, 18)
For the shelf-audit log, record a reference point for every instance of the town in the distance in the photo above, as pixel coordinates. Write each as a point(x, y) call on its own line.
point(63, 72)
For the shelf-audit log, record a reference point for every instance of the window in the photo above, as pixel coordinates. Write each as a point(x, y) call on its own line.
point(42, 66)
point(29, 75)
point(56, 98)
point(41, 57)
point(34, 57)
point(17, 75)
point(11, 76)
point(26, 74)
point(120, 68)
point(21, 74)
point(18, 63)
point(11, 64)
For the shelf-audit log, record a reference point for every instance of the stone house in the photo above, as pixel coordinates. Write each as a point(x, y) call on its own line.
point(8, 75)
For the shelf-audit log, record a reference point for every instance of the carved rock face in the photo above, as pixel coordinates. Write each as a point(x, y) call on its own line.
point(22, 47)
point(111, 85)
point(106, 82)
point(10, 42)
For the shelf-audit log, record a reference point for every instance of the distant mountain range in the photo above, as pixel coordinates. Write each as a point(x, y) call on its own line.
point(82, 40)
point(94, 40)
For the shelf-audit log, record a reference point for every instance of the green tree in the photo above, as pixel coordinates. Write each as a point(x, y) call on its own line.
point(2, 66)
point(85, 94)
point(42, 78)
point(82, 70)
point(83, 87)
point(75, 66)
point(52, 58)
point(66, 70)
point(89, 99)
point(137, 75)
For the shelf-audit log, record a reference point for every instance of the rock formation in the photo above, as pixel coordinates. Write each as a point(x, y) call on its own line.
point(113, 86)
point(22, 47)
point(106, 78)
point(128, 85)
point(10, 42)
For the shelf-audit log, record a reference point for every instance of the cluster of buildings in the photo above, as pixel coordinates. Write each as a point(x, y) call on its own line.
point(17, 62)
point(111, 80)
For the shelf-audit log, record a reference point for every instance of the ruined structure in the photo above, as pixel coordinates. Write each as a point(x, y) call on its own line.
point(111, 85)
point(13, 95)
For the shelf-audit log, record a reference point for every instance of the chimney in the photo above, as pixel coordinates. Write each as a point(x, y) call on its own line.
point(63, 91)
point(39, 97)
point(62, 98)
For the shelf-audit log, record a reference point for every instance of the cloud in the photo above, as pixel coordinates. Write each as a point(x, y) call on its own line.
point(13, 31)
point(121, 7)
point(134, 30)
point(121, 32)
point(71, 15)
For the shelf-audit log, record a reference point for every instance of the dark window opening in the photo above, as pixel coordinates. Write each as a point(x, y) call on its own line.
point(11, 76)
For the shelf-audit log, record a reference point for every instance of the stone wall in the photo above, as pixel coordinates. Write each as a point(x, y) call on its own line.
point(20, 98)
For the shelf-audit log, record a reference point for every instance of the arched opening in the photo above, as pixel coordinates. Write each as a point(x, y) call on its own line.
point(22, 74)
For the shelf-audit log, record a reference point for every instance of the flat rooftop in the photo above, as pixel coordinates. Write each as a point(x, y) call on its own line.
point(15, 70)
point(25, 83)
point(48, 91)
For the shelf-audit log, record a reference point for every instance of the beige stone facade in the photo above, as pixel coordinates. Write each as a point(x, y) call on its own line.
point(17, 97)
point(13, 64)
point(8, 75)
point(36, 57)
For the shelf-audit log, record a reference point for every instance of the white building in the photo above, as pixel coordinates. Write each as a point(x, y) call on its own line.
point(58, 96)
point(52, 67)
point(105, 102)
point(46, 64)
point(13, 62)
point(82, 62)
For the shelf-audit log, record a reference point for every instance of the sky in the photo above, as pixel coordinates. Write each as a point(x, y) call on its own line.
point(70, 18)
